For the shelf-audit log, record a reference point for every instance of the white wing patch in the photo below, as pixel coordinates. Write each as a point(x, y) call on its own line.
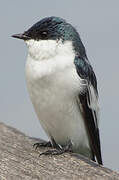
point(93, 103)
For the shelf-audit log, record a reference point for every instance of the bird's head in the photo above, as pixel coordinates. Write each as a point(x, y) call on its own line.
point(47, 35)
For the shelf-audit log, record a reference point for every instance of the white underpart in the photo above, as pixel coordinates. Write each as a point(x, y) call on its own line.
point(54, 85)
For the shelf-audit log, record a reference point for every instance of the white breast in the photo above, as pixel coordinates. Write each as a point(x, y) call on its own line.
point(53, 85)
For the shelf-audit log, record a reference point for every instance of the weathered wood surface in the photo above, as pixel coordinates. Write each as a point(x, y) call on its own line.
point(18, 160)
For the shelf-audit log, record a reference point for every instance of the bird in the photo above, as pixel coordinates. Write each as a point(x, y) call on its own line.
point(63, 88)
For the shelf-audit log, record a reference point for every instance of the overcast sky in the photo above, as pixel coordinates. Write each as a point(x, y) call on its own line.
point(98, 24)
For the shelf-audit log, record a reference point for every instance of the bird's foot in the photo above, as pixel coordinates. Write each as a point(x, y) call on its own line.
point(42, 144)
point(59, 150)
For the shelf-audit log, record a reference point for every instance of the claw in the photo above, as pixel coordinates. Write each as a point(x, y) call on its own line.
point(42, 144)
point(52, 152)
point(58, 151)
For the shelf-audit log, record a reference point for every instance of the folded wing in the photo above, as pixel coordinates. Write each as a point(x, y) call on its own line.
point(88, 104)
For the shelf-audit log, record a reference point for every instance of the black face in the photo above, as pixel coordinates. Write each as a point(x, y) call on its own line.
point(48, 28)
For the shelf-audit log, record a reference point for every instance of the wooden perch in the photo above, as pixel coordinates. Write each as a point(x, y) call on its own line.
point(18, 160)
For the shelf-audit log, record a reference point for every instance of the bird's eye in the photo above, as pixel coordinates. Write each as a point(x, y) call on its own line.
point(44, 34)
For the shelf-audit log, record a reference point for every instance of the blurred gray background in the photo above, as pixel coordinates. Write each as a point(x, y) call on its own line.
point(98, 24)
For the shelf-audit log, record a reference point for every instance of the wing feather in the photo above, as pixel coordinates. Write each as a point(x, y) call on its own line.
point(89, 105)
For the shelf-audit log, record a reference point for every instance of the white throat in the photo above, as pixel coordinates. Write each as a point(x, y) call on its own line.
point(47, 49)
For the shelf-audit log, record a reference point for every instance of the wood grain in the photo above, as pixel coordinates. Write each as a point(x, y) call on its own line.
point(18, 160)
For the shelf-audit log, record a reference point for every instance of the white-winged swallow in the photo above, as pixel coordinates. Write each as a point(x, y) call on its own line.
point(62, 87)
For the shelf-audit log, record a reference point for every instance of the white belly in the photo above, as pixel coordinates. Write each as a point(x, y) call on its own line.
point(54, 99)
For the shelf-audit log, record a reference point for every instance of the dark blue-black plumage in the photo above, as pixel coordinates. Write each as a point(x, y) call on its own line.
point(56, 28)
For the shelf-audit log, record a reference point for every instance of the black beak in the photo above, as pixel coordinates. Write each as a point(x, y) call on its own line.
point(21, 36)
